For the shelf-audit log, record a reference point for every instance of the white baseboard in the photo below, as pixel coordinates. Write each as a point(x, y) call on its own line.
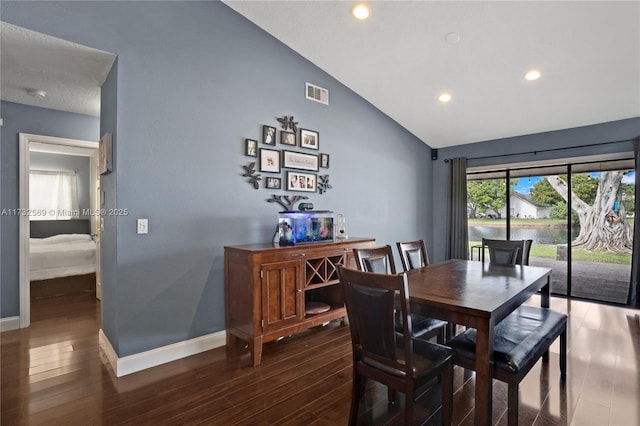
point(9, 323)
point(143, 360)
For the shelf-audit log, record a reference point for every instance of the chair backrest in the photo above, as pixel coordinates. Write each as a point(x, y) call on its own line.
point(413, 254)
point(371, 299)
point(509, 252)
point(375, 259)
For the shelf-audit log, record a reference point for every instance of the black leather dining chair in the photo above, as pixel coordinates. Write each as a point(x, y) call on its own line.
point(381, 353)
point(507, 252)
point(413, 254)
point(380, 260)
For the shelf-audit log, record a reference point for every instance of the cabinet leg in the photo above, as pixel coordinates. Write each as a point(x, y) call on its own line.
point(232, 340)
point(256, 351)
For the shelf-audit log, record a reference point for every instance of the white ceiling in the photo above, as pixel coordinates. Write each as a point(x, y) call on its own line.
point(70, 74)
point(399, 61)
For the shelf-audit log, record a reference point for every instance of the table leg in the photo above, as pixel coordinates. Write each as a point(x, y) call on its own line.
point(484, 372)
point(545, 296)
point(545, 293)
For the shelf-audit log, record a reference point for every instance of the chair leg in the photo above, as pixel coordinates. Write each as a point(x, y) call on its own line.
point(391, 395)
point(450, 331)
point(447, 394)
point(408, 407)
point(563, 356)
point(356, 392)
point(512, 404)
point(442, 335)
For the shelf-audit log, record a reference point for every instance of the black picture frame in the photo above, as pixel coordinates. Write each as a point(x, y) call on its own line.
point(272, 182)
point(300, 161)
point(269, 160)
point(294, 178)
point(287, 138)
point(268, 135)
point(251, 147)
point(309, 139)
point(324, 161)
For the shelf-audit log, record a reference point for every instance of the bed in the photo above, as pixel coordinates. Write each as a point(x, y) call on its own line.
point(62, 258)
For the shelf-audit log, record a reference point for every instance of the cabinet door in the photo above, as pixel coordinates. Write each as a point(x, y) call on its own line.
point(282, 297)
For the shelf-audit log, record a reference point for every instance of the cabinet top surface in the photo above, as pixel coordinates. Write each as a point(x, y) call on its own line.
point(276, 246)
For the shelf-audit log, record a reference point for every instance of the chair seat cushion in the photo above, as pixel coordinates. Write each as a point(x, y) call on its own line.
point(419, 325)
point(518, 339)
point(427, 359)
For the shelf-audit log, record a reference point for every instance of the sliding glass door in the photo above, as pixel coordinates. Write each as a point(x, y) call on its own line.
point(538, 214)
point(579, 216)
point(602, 204)
point(486, 205)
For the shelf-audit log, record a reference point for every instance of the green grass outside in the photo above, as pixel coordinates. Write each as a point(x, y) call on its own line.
point(549, 251)
point(523, 223)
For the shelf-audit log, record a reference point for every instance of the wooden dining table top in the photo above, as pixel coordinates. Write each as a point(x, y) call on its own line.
point(473, 288)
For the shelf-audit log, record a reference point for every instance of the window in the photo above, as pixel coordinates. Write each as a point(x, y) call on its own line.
point(53, 195)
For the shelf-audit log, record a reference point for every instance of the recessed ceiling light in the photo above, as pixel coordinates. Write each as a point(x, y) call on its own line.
point(444, 97)
point(37, 93)
point(533, 74)
point(360, 11)
point(452, 38)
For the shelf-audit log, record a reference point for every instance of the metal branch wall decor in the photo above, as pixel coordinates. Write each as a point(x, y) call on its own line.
point(323, 184)
point(288, 123)
point(250, 172)
point(286, 201)
point(290, 168)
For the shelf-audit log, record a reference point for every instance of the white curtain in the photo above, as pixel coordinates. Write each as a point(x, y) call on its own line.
point(53, 195)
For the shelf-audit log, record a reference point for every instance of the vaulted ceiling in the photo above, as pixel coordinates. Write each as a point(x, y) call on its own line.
point(404, 56)
point(407, 53)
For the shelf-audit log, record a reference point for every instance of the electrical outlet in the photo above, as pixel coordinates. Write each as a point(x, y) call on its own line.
point(143, 226)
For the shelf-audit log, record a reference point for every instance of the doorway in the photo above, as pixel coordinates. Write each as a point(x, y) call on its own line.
point(29, 144)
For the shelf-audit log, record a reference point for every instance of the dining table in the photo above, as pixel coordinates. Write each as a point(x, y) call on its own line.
point(477, 295)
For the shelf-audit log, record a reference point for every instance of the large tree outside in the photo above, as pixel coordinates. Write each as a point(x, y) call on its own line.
point(599, 205)
point(602, 216)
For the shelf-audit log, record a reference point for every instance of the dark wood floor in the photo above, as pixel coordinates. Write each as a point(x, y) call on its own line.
point(54, 374)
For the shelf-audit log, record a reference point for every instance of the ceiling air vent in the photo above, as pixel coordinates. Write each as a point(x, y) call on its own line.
point(317, 93)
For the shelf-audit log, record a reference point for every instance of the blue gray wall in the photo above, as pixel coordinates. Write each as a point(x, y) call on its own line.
point(566, 140)
point(192, 80)
point(27, 119)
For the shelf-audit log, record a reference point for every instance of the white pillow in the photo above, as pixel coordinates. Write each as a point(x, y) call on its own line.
point(61, 238)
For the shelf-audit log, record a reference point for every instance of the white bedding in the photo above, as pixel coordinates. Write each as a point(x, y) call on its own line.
point(62, 256)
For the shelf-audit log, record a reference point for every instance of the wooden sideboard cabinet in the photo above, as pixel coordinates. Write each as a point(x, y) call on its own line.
point(268, 287)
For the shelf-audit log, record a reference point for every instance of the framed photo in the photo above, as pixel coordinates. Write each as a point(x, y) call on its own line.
point(251, 148)
point(299, 160)
point(268, 135)
point(273, 182)
point(324, 161)
point(105, 154)
point(309, 139)
point(287, 138)
point(269, 160)
point(305, 182)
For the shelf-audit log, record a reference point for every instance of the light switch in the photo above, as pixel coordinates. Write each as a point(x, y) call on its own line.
point(143, 226)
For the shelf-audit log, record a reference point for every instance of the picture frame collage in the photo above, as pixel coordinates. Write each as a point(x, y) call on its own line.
point(301, 167)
